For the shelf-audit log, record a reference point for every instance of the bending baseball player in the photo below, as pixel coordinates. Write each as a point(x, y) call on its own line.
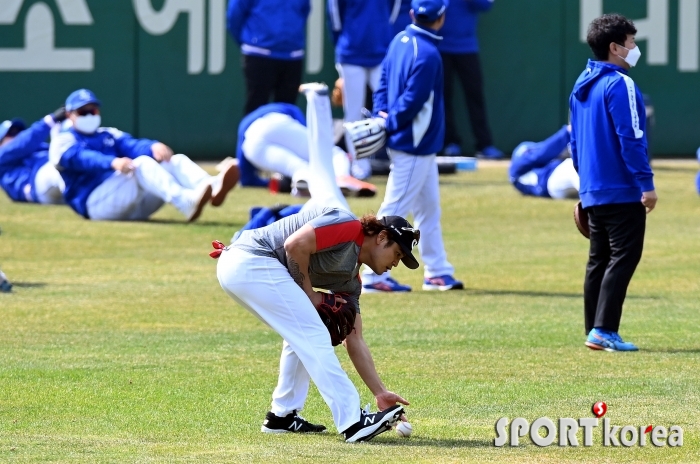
point(273, 271)
point(111, 175)
point(26, 174)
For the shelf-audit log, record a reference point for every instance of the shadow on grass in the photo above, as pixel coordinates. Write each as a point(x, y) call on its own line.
point(676, 168)
point(482, 291)
point(182, 222)
point(29, 284)
point(438, 443)
point(673, 350)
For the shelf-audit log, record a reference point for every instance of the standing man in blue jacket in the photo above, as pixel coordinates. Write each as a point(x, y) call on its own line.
point(361, 33)
point(113, 176)
point(460, 57)
point(409, 102)
point(26, 174)
point(272, 36)
point(609, 151)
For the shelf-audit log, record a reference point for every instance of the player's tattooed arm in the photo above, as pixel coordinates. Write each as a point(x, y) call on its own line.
point(299, 247)
point(295, 272)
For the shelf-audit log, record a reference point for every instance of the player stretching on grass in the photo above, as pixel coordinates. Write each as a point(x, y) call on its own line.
point(410, 103)
point(272, 272)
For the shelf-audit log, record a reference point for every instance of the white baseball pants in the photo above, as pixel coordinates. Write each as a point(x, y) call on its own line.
point(355, 82)
point(413, 187)
point(564, 181)
point(264, 287)
point(135, 196)
point(278, 143)
point(49, 185)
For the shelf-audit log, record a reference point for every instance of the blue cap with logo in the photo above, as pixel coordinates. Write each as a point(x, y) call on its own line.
point(12, 127)
point(80, 98)
point(429, 10)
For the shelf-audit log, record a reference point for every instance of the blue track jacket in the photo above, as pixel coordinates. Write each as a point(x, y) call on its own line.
point(608, 139)
point(21, 158)
point(269, 28)
point(410, 92)
point(250, 176)
point(400, 17)
point(533, 163)
point(361, 30)
point(85, 161)
point(459, 32)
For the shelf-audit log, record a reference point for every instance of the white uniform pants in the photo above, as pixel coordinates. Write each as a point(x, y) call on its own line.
point(564, 181)
point(278, 143)
point(413, 187)
point(355, 82)
point(264, 287)
point(135, 196)
point(49, 185)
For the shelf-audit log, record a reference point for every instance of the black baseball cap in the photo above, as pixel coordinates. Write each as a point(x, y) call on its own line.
point(403, 233)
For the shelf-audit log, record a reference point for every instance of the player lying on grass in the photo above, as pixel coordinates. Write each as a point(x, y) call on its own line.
point(26, 174)
point(273, 271)
point(111, 175)
point(545, 169)
point(274, 138)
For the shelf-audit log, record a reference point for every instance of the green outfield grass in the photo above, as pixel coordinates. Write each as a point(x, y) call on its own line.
point(118, 345)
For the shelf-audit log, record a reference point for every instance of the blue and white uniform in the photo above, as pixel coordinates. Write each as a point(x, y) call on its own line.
point(25, 172)
point(271, 28)
point(540, 170)
point(362, 32)
point(461, 20)
point(411, 94)
point(608, 142)
point(274, 138)
point(95, 191)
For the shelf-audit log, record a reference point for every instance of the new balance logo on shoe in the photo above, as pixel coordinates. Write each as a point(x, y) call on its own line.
point(369, 420)
point(292, 422)
point(296, 426)
point(372, 424)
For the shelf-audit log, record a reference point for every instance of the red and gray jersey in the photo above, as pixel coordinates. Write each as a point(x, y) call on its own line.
point(339, 238)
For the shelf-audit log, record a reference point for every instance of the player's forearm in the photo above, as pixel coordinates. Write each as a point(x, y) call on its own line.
point(298, 265)
point(364, 364)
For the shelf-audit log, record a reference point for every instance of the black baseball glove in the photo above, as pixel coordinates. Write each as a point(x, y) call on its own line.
point(338, 317)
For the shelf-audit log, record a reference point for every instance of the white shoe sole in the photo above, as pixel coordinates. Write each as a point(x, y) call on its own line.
point(442, 288)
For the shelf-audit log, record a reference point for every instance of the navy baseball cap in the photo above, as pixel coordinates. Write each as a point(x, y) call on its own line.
point(80, 98)
point(403, 233)
point(429, 10)
point(12, 127)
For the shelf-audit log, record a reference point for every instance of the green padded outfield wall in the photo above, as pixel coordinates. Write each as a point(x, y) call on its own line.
point(167, 69)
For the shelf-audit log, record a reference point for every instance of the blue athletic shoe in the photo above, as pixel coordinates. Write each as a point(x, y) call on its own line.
point(446, 282)
point(490, 152)
point(600, 339)
point(452, 149)
point(388, 285)
point(5, 285)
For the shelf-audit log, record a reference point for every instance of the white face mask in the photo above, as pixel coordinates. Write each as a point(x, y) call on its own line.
point(633, 56)
point(87, 124)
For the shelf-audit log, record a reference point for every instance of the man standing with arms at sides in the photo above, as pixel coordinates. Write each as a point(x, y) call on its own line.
point(609, 151)
point(272, 36)
point(410, 106)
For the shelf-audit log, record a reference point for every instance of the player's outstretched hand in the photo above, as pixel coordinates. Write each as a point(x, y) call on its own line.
point(387, 399)
point(161, 152)
point(649, 200)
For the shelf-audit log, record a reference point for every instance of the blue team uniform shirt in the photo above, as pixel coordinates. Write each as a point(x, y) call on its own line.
point(411, 92)
point(85, 160)
point(250, 176)
point(269, 28)
point(533, 163)
point(459, 32)
point(361, 30)
point(608, 137)
point(21, 158)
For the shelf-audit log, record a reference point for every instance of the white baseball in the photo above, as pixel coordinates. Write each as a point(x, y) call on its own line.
point(404, 429)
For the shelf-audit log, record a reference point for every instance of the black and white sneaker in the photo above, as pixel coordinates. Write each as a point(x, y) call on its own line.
point(372, 424)
point(292, 422)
